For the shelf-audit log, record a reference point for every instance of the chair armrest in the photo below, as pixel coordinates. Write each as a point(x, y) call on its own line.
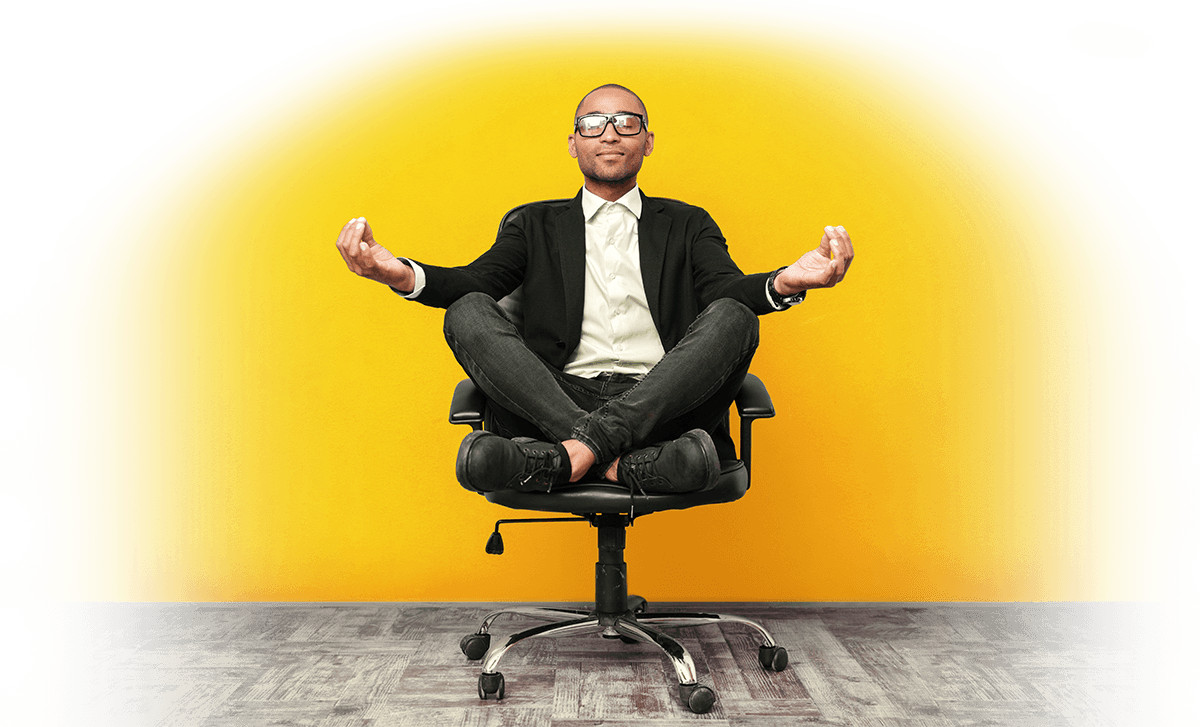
point(467, 405)
point(753, 401)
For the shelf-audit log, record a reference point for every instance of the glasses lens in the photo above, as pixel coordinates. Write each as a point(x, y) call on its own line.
point(592, 125)
point(627, 124)
point(624, 124)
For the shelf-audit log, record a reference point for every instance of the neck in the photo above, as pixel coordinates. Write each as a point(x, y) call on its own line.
point(610, 191)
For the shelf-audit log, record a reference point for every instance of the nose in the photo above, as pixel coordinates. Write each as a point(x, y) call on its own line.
point(610, 132)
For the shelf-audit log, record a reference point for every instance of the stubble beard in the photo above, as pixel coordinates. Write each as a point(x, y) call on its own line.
point(615, 177)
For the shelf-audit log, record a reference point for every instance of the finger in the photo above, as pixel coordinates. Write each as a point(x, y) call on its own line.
point(368, 235)
point(823, 248)
point(347, 239)
point(367, 240)
point(358, 225)
point(847, 247)
point(344, 246)
point(357, 259)
point(837, 258)
point(341, 238)
point(360, 249)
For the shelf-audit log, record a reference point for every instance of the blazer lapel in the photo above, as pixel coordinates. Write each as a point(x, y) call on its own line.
point(653, 227)
point(572, 254)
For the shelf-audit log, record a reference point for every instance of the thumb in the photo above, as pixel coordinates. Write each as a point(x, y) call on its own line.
point(837, 263)
point(368, 235)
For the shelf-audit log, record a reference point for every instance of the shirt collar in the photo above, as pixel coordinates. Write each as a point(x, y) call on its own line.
point(631, 200)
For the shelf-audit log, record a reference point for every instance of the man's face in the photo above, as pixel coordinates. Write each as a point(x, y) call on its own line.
point(610, 158)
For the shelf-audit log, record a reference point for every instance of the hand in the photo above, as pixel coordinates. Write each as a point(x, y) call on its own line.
point(823, 267)
point(366, 257)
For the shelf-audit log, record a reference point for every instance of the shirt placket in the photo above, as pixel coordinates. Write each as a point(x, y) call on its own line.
point(615, 273)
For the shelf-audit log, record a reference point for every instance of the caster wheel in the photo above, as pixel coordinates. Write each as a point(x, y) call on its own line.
point(773, 658)
point(491, 684)
point(637, 604)
point(474, 646)
point(697, 697)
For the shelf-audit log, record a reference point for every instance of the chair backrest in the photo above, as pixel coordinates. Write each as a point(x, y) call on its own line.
point(513, 304)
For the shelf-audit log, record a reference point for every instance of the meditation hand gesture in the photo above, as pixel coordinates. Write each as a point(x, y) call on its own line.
point(366, 257)
point(823, 267)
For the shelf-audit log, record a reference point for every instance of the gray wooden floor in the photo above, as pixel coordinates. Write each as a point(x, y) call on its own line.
point(337, 665)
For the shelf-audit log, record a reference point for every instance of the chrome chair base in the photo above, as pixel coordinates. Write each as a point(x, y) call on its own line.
point(630, 626)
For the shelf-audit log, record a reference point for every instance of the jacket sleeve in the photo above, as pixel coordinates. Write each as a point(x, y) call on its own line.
point(497, 272)
point(715, 273)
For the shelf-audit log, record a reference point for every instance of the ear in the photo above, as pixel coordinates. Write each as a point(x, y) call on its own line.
point(649, 144)
point(571, 147)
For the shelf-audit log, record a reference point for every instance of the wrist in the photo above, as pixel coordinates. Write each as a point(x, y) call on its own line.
point(781, 286)
point(401, 276)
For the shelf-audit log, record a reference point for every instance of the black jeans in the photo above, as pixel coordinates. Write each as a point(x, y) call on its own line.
point(691, 387)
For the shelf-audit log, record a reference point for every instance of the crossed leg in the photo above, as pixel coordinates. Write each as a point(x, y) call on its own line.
point(595, 423)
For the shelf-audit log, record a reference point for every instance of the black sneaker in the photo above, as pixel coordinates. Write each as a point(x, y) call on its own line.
point(489, 462)
point(687, 464)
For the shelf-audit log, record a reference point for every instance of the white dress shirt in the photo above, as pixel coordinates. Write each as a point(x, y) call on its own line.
point(618, 334)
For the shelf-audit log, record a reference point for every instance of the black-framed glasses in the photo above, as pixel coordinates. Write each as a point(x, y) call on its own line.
point(623, 124)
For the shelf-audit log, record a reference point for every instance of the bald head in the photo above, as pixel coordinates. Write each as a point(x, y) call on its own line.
point(580, 110)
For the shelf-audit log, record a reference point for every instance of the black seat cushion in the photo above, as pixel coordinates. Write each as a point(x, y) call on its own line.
point(594, 496)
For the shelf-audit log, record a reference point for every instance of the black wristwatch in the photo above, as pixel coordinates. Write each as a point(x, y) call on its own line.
point(782, 301)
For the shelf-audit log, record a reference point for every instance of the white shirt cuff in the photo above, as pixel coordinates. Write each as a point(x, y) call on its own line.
point(418, 279)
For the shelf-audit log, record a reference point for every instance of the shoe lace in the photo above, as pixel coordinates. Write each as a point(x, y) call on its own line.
point(540, 466)
point(637, 465)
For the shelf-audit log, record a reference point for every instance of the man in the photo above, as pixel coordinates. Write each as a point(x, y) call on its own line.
point(637, 331)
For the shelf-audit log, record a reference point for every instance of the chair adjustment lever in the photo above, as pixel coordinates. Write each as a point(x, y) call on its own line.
point(495, 543)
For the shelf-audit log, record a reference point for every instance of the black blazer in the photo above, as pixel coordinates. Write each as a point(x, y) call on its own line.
point(685, 267)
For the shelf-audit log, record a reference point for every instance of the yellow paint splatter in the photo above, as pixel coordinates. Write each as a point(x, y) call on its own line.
point(1102, 38)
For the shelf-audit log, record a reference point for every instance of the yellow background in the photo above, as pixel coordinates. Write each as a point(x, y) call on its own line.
point(284, 422)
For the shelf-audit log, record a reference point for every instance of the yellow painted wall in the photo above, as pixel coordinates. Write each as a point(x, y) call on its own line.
point(283, 423)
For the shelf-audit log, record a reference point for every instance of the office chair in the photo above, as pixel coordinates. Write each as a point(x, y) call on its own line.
point(610, 509)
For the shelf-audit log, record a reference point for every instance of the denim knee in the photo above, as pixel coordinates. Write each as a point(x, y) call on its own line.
point(735, 320)
point(465, 315)
point(471, 302)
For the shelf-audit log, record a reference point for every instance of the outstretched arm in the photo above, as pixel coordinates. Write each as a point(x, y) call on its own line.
point(823, 267)
point(366, 257)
